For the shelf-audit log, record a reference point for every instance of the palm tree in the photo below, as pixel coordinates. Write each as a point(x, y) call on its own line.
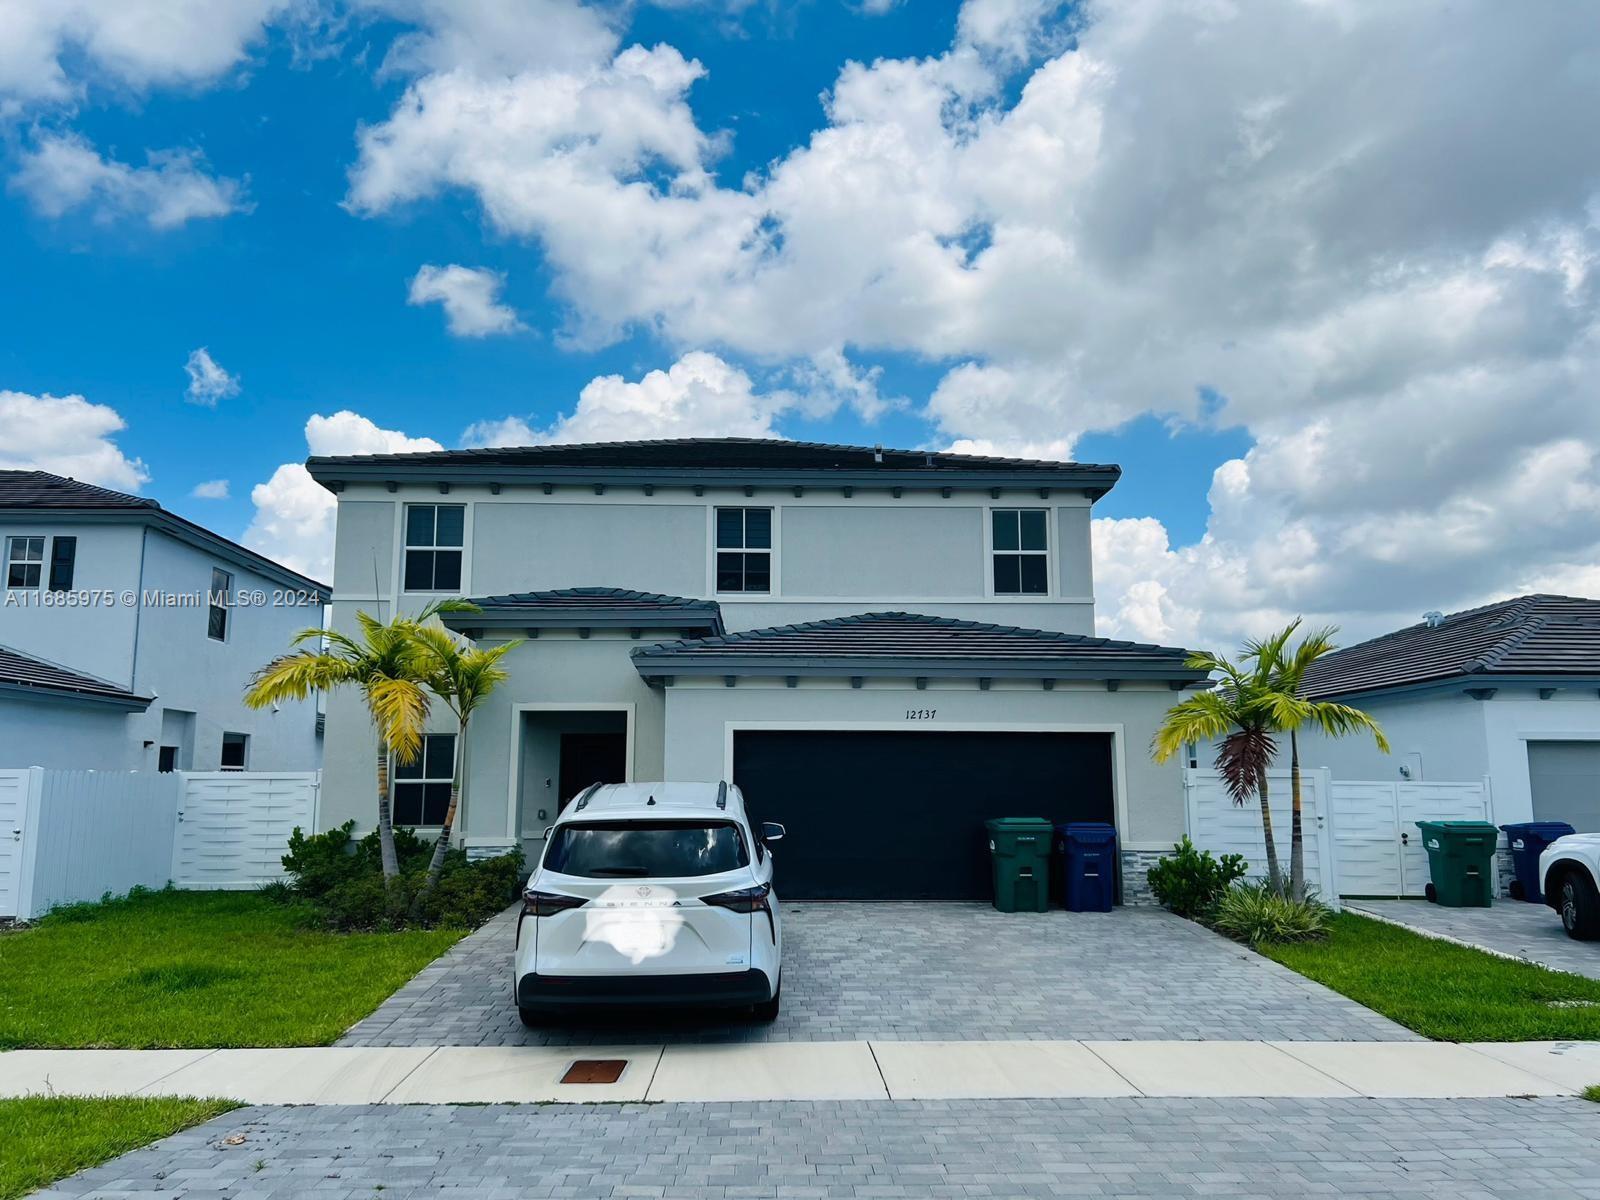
point(1237, 715)
point(382, 664)
point(1291, 712)
point(463, 679)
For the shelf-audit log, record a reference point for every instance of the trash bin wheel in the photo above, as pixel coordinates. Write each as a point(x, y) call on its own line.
point(1432, 893)
point(1518, 892)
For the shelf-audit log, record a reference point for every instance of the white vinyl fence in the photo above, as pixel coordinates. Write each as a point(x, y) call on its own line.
point(67, 836)
point(1361, 837)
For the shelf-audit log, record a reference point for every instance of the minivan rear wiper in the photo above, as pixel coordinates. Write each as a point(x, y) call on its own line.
point(629, 871)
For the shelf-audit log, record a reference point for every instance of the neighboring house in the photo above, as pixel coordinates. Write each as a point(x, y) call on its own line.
point(882, 647)
point(127, 635)
point(1509, 693)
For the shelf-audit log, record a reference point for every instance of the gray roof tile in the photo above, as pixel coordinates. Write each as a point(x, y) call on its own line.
point(18, 670)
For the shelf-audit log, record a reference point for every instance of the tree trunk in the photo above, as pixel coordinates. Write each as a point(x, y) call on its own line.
point(391, 861)
point(1274, 871)
point(442, 846)
point(1297, 848)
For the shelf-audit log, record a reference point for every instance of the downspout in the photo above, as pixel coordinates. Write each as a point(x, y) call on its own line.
point(138, 610)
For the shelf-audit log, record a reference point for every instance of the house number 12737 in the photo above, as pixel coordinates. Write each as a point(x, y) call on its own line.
point(921, 714)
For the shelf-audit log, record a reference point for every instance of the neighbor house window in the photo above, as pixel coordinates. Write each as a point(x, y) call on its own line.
point(217, 600)
point(24, 561)
point(433, 547)
point(421, 792)
point(63, 558)
point(1021, 552)
point(744, 549)
point(235, 749)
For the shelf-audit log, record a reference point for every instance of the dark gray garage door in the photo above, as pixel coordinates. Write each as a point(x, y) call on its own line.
point(1565, 777)
point(899, 816)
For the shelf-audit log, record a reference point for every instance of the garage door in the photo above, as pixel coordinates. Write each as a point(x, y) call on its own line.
point(899, 816)
point(1565, 777)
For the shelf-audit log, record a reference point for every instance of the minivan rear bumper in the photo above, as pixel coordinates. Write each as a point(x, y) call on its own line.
point(729, 988)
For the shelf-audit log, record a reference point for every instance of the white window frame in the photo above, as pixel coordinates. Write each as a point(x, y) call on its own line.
point(771, 551)
point(225, 605)
point(406, 545)
point(991, 552)
point(243, 766)
point(39, 563)
point(395, 782)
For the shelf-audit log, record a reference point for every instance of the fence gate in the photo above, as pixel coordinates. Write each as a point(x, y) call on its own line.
point(1377, 845)
point(233, 827)
point(14, 786)
point(1219, 825)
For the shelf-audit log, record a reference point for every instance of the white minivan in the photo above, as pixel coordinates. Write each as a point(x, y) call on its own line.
point(651, 893)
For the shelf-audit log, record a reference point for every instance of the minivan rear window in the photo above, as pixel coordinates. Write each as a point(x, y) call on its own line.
point(645, 849)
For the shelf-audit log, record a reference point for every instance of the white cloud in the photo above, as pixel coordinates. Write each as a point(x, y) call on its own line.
point(211, 489)
point(208, 381)
point(66, 435)
point(1390, 286)
point(63, 173)
point(470, 296)
point(700, 395)
point(294, 515)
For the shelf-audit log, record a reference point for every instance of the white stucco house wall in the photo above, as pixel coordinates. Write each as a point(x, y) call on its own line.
point(881, 647)
point(1509, 693)
point(128, 634)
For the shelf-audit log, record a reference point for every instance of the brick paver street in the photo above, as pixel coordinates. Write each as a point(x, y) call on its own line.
point(928, 972)
point(1277, 1149)
point(1514, 927)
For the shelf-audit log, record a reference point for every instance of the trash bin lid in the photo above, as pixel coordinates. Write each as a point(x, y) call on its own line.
point(1016, 824)
point(1092, 832)
point(1458, 828)
point(1549, 830)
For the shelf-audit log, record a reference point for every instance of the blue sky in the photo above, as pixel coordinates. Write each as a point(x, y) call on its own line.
point(1011, 226)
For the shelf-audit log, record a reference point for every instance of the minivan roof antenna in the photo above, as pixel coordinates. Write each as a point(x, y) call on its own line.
point(877, 452)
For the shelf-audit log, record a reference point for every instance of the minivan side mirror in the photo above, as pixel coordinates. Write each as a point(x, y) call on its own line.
point(771, 831)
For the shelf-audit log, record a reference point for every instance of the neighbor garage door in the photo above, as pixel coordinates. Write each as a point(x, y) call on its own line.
point(899, 816)
point(1565, 777)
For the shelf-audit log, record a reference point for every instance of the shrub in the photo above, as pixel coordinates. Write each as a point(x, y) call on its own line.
point(342, 879)
point(1191, 882)
point(1254, 913)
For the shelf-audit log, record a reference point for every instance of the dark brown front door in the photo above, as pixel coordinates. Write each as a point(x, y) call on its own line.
point(591, 758)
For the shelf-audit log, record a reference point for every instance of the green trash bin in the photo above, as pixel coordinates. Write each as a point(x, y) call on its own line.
point(1019, 848)
point(1461, 862)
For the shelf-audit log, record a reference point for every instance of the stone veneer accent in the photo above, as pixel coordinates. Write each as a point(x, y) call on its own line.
point(1136, 865)
point(477, 853)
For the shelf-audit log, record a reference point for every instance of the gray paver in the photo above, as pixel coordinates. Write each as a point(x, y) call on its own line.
point(926, 972)
point(1174, 1148)
point(1514, 927)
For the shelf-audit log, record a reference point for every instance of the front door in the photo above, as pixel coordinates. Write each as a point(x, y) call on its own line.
point(591, 758)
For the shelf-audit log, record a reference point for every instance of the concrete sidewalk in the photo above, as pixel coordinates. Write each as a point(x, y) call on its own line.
point(775, 1071)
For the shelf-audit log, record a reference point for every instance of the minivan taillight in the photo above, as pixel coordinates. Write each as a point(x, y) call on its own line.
point(548, 904)
point(745, 900)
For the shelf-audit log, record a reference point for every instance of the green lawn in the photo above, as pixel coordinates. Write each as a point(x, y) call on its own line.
point(1446, 991)
point(48, 1137)
point(196, 969)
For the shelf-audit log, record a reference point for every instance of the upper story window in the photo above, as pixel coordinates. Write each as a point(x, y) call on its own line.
point(235, 751)
point(24, 561)
point(218, 600)
point(744, 549)
point(63, 561)
point(433, 547)
point(1021, 552)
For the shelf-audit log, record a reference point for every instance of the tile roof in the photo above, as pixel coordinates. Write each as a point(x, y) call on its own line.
point(929, 642)
point(24, 672)
point(1535, 635)
point(730, 453)
point(576, 607)
point(594, 598)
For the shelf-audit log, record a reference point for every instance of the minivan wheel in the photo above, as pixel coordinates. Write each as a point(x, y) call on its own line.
point(767, 1010)
point(1580, 906)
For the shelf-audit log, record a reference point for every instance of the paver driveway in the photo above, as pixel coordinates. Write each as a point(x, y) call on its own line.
point(926, 972)
point(1378, 1149)
point(1514, 927)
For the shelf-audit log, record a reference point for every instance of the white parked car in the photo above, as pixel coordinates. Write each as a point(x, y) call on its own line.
point(651, 893)
point(1570, 868)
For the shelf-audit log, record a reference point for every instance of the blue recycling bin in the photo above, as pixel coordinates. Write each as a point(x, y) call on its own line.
point(1528, 840)
point(1089, 859)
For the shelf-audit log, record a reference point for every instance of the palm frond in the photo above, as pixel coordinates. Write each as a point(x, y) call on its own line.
point(294, 677)
point(1203, 717)
point(400, 707)
point(1340, 720)
point(1242, 759)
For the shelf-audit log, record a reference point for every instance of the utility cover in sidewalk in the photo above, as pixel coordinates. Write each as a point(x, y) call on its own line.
point(595, 1070)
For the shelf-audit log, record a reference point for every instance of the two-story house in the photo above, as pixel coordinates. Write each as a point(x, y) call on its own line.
point(881, 647)
point(128, 634)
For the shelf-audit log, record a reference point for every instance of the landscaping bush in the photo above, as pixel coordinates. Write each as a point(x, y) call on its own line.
point(1254, 913)
point(341, 879)
point(1191, 882)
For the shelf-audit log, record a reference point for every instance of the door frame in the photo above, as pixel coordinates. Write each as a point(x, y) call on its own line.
point(513, 821)
point(1119, 796)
